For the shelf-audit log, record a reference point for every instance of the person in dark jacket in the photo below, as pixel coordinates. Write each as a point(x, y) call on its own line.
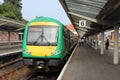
point(107, 44)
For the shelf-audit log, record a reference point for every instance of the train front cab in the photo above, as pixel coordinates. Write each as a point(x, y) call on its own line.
point(47, 53)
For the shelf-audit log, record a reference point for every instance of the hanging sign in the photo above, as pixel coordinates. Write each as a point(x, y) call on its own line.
point(82, 23)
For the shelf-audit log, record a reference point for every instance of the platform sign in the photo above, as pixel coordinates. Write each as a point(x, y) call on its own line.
point(82, 23)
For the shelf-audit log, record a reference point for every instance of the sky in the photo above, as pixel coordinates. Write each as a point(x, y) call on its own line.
point(47, 8)
point(1, 1)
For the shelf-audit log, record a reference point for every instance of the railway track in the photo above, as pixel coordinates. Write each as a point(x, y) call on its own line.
point(10, 67)
point(43, 76)
point(7, 57)
point(9, 63)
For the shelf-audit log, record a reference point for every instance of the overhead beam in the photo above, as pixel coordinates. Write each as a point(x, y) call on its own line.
point(81, 29)
point(82, 32)
point(89, 3)
point(100, 1)
point(85, 11)
point(11, 21)
point(90, 19)
point(20, 29)
point(85, 3)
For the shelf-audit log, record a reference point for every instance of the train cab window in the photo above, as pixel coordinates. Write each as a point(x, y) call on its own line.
point(42, 35)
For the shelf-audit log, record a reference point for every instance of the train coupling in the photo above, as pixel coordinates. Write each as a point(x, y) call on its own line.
point(40, 64)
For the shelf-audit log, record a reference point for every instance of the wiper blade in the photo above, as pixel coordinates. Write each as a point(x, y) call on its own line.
point(46, 40)
point(37, 40)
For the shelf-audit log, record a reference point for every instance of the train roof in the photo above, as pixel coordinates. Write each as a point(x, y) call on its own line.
point(45, 19)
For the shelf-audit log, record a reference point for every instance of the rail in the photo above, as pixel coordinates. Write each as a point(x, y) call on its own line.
point(7, 58)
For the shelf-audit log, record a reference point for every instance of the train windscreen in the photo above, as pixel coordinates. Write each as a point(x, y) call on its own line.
point(42, 35)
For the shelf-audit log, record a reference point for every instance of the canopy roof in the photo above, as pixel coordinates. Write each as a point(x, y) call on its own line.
point(8, 24)
point(100, 15)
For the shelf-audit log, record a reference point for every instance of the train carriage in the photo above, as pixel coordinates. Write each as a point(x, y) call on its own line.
point(46, 42)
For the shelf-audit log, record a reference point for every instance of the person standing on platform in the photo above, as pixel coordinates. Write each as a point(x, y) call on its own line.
point(82, 42)
point(107, 44)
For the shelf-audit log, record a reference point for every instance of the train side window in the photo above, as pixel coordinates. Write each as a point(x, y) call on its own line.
point(65, 32)
point(66, 39)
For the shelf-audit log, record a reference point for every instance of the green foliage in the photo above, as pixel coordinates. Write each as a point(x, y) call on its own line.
point(14, 2)
point(11, 9)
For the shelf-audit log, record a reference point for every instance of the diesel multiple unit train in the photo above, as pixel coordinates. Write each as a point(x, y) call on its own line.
point(46, 42)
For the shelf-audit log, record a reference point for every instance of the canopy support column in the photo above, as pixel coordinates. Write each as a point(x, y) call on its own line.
point(102, 43)
point(116, 43)
point(9, 44)
point(96, 42)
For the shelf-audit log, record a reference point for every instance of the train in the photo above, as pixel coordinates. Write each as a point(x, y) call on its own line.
point(46, 42)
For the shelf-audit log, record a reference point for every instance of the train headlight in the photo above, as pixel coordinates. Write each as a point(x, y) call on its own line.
point(26, 52)
point(56, 52)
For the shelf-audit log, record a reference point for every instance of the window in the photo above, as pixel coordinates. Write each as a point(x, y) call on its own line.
point(42, 35)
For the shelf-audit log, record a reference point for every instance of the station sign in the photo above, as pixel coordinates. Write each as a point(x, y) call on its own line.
point(82, 23)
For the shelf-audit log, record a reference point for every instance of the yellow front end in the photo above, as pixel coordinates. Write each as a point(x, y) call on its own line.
point(41, 51)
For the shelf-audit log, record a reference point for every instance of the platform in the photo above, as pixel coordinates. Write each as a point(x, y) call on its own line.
point(9, 50)
point(15, 46)
point(87, 64)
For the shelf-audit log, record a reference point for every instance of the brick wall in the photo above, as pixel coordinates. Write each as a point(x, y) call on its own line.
point(14, 36)
point(3, 35)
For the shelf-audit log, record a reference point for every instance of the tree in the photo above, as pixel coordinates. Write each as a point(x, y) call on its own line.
point(14, 2)
point(11, 9)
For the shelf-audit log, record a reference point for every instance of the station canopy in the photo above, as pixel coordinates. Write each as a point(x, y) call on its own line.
point(100, 15)
point(8, 24)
